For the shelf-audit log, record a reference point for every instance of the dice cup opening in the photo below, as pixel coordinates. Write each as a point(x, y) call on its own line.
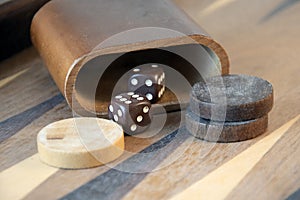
point(100, 76)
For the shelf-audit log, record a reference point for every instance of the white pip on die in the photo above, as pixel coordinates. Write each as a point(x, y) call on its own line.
point(148, 80)
point(131, 111)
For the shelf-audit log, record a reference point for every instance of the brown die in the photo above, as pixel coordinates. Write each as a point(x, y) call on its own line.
point(131, 111)
point(148, 80)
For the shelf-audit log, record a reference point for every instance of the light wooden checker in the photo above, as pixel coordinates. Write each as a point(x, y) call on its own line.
point(80, 143)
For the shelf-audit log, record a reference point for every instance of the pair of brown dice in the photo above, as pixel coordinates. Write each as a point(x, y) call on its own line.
point(131, 110)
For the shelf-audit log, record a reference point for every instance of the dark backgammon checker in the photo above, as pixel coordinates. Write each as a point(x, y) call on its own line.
point(227, 131)
point(235, 106)
point(247, 97)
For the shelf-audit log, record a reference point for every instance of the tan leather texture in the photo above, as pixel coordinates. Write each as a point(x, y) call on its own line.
point(67, 34)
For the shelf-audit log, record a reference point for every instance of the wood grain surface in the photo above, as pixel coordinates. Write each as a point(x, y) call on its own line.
point(219, 183)
point(262, 39)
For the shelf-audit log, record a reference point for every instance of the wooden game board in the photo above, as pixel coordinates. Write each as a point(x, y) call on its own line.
point(262, 39)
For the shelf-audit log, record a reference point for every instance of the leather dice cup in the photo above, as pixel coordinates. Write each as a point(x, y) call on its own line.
point(78, 50)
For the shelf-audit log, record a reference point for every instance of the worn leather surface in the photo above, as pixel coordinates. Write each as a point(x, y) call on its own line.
point(67, 34)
